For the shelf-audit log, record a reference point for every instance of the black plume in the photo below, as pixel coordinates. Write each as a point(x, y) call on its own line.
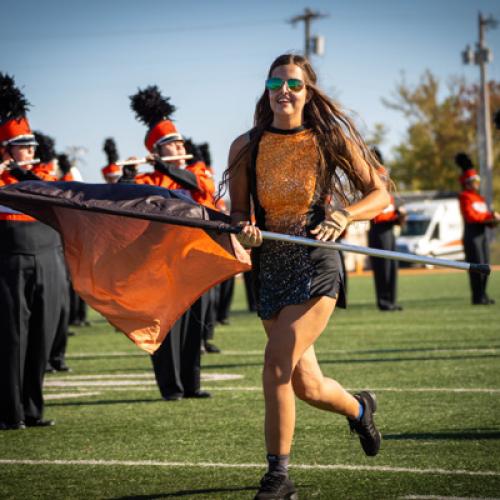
point(463, 161)
point(192, 149)
point(13, 104)
point(150, 106)
point(46, 147)
point(497, 119)
point(110, 150)
point(378, 155)
point(64, 163)
point(205, 153)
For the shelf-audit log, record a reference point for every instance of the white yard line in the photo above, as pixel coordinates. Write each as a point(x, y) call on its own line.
point(68, 395)
point(104, 376)
point(97, 383)
point(215, 377)
point(114, 380)
point(112, 354)
point(433, 389)
point(354, 468)
point(145, 375)
point(436, 497)
point(147, 380)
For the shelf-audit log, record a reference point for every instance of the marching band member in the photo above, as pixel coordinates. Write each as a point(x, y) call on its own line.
point(66, 170)
point(30, 302)
point(477, 219)
point(202, 162)
point(50, 163)
point(46, 152)
point(77, 308)
point(177, 362)
point(381, 235)
point(111, 172)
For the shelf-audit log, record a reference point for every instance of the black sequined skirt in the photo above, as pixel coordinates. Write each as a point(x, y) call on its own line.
point(288, 274)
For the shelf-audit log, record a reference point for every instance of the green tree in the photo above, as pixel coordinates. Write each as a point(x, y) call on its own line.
point(441, 124)
point(377, 135)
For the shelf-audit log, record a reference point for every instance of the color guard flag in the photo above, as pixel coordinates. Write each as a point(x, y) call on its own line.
point(140, 255)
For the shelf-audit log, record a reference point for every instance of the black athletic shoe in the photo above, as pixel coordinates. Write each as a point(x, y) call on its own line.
point(60, 366)
point(485, 301)
point(5, 426)
point(38, 422)
point(198, 394)
point(173, 396)
point(368, 434)
point(276, 487)
point(211, 348)
point(391, 307)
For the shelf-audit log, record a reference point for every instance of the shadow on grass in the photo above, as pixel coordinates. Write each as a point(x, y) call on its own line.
point(185, 493)
point(389, 350)
point(420, 349)
point(372, 306)
point(105, 402)
point(132, 354)
point(463, 435)
point(360, 361)
point(241, 312)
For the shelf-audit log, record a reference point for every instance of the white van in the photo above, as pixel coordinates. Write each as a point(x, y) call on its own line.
point(434, 228)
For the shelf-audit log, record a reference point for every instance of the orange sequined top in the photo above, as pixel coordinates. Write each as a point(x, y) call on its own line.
point(287, 169)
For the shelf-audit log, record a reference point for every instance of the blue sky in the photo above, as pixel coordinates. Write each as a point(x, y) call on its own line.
point(79, 61)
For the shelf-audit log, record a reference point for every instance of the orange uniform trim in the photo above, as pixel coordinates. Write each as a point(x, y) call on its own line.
point(206, 185)
point(67, 177)
point(156, 178)
point(16, 217)
point(6, 179)
point(473, 207)
point(112, 168)
point(204, 195)
point(389, 214)
point(45, 169)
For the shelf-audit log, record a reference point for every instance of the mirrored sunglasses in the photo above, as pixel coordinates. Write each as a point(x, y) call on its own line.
point(294, 84)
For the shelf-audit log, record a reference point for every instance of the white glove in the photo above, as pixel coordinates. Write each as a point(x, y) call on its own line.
point(333, 226)
point(250, 235)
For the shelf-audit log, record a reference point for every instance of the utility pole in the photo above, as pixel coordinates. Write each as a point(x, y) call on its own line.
point(312, 44)
point(482, 56)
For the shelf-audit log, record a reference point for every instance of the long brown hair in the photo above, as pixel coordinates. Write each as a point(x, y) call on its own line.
point(333, 131)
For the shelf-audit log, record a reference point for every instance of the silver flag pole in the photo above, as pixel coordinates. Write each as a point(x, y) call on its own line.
point(375, 252)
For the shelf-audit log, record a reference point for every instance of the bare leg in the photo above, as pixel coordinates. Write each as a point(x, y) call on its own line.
point(314, 388)
point(290, 335)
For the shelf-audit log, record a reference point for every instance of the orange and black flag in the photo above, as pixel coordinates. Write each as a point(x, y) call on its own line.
point(140, 255)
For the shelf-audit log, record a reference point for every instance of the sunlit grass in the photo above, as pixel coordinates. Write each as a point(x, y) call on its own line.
point(416, 360)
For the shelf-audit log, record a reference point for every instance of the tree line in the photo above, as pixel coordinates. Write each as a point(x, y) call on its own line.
point(441, 123)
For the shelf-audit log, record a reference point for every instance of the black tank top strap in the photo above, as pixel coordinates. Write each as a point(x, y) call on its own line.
point(260, 214)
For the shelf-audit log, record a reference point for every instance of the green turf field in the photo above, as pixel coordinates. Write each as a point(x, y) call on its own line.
point(435, 368)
